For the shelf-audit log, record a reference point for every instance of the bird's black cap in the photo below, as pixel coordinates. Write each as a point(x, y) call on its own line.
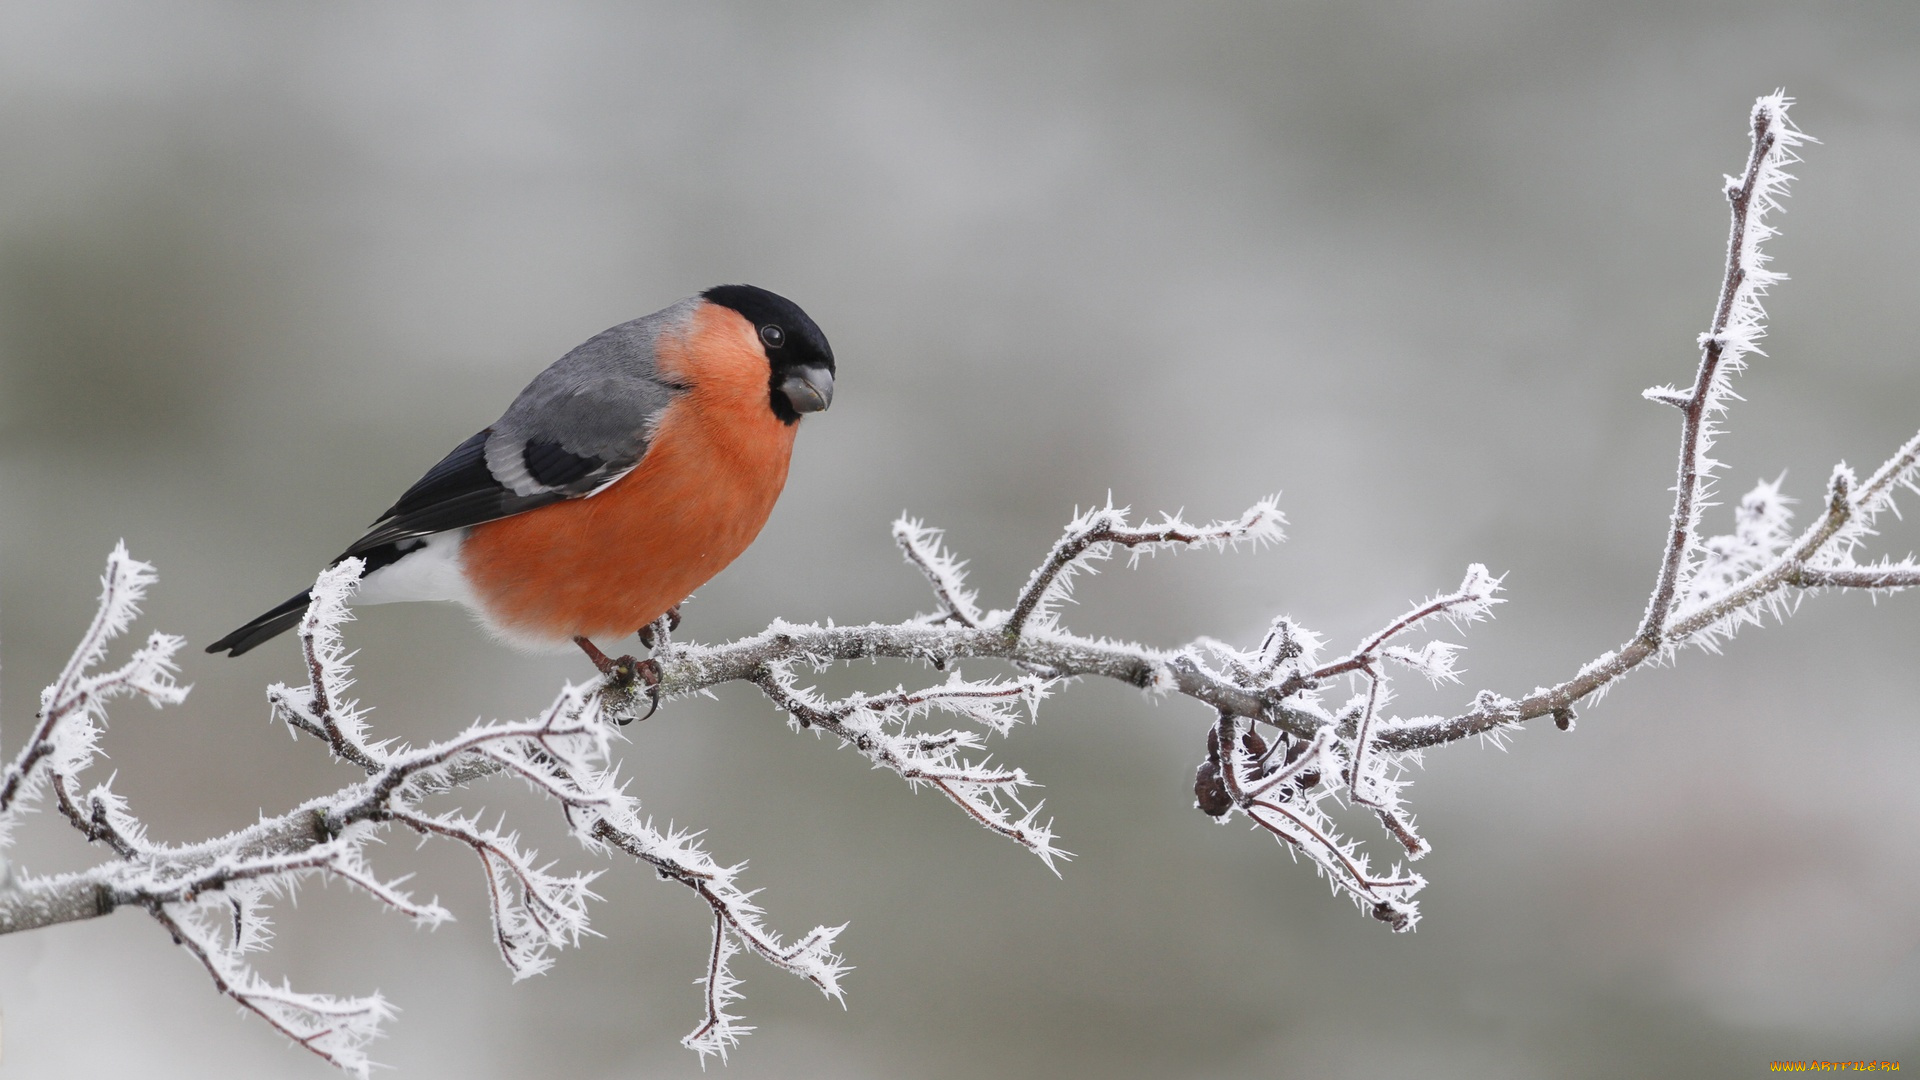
point(789, 335)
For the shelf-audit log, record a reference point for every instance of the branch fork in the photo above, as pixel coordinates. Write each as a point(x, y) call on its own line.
point(1278, 750)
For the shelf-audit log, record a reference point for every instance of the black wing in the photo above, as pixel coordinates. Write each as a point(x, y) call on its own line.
point(458, 492)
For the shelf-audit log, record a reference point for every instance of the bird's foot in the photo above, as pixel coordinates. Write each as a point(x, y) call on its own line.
point(625, 677)
point(653, 632)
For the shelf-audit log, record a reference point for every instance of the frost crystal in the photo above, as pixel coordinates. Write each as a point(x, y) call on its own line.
point(1300, 745)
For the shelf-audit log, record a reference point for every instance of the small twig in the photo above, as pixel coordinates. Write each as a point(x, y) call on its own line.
point(975, 789)
point(923, 549)
point(1744, 282)
point(1335, 754)
point(1108, 526)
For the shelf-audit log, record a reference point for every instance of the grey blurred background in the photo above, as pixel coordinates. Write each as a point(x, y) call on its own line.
point(261, 265)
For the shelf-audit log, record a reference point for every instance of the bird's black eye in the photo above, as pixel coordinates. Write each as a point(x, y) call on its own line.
point(773, 336)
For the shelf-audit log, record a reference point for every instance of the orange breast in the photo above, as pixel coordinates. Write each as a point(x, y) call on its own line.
point(611, 563)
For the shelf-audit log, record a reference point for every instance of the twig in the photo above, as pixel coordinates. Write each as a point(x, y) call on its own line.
point(1322, 755)
point(1736, 326)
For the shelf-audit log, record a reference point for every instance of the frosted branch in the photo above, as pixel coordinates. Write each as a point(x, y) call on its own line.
point(1093, 535)
point(923, 548)
point(67, 729)
point(1296, 745)
point(985, 793)
point(720, 1031)
point(336, 1029)
point(1739, 322)
point(195, 890)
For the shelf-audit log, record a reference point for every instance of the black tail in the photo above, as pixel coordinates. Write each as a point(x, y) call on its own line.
point(265, 628)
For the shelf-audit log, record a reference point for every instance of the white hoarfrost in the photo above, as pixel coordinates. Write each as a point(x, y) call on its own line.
point(215, 897)
point(1301, 746)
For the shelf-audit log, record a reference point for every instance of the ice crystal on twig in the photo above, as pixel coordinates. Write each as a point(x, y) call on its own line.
point(1092, 536)
point(923, 548)
point(1298, 745)
point(1738, 324)
point(988, 794)
point(215, 897)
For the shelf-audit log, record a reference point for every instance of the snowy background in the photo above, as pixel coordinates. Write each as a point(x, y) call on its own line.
point(1408, 264)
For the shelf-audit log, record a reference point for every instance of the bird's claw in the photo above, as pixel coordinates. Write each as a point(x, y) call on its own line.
point(651, 633)
point(624, 677)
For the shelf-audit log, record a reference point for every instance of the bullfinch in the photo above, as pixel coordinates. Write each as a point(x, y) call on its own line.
point(621, 479)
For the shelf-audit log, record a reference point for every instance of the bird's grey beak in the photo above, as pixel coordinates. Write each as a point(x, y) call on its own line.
point(809, 389)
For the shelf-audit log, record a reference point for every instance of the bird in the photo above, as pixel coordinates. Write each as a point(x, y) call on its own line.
point(624, 477)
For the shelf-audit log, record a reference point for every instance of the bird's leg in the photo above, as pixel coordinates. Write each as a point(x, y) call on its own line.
point(621, 675)
point(594, 654)
point(650, 633)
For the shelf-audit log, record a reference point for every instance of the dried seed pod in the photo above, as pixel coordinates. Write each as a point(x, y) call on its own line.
point(1213, 744)
point(1308, 779)
point(1210, 791)
point(1253, 744)
point(1393, 915)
